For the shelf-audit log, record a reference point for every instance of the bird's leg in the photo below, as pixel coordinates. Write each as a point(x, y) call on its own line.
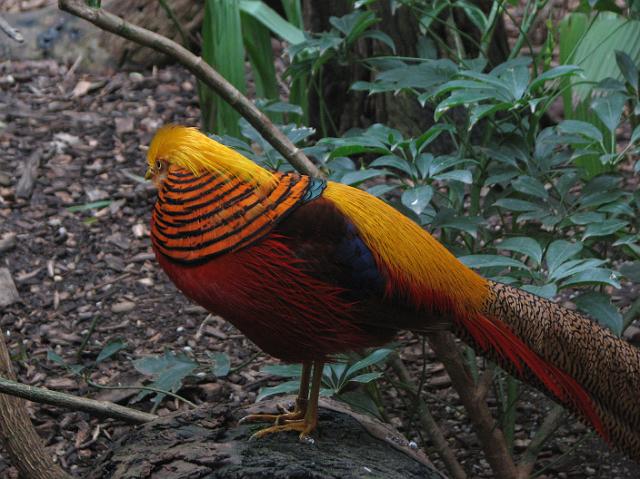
point(307, 424)
point(301, 403)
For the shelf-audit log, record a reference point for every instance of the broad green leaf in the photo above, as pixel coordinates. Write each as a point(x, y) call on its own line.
point(393, 161)
point(274, 22)
point(366, 377)
point(423, 163)
point(592, 276)
point(490, 261)
point(380, 190)
point(530, 186)
point(377, 356)
point(110, 349)
point(283, 370)
point(574, 266)
point(524, 245)
point(628, 68)
point(55, 357)
point(168, 372)
point(581, 128)
point(359, 176)
point(604, 228)
point(547, 291)
point(631, 270)
point(475, 14)
point(560, 251)
point(463, 176)
point(586, 218)
point(553, 74)
point(609, 109)
point(284, 388)
point(599, 307)
point(221, 364)
point(517, 205)
point(417, 199)
point(460, 98)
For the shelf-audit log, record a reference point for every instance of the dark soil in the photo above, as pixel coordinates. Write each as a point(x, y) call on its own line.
point(89, 135)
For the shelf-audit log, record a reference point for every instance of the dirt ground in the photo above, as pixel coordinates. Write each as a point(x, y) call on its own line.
point(72, 269)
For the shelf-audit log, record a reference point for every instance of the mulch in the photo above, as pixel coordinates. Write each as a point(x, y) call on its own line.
point(71, 140)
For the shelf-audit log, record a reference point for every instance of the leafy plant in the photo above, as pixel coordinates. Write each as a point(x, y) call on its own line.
point(336, 379)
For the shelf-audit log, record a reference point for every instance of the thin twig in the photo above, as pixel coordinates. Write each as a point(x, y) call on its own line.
point(144, 388)
point(10, 31)
point(547, 428)
point(491, 438)
point(75, 403)
point(428, 423)
point(202, 70)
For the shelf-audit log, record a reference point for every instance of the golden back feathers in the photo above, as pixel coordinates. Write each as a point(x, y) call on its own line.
point(188, 148)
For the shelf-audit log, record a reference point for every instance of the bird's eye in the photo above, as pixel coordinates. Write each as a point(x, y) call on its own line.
point(158, 165)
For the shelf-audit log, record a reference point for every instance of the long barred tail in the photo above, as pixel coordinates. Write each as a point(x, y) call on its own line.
point(584, 366)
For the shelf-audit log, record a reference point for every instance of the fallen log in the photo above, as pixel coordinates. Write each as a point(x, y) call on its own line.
point(209, 442)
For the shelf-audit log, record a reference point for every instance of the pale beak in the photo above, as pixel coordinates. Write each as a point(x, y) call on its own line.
point(148, 174)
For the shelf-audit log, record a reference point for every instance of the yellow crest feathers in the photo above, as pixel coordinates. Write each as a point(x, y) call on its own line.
point(188, 148)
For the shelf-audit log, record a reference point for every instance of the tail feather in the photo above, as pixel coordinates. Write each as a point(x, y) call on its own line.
point(495, 335)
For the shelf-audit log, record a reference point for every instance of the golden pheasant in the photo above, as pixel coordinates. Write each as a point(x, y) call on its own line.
point(308, 269)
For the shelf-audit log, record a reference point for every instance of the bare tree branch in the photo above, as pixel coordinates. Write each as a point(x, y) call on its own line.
point(202, 70)
point(491, 438)
point(68, 401)
point(20, 438)
point(10, 31)
point(429, 424)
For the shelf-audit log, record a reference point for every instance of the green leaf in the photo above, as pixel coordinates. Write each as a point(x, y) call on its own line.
point(586, 218)
point(547, 291)
point(628, 69)
point(221, 364)
point(560, 251)
point(592, 276)
point(463, 176)
point(56, 358)
point(418, 198)
point(223, 49)
point(376, 357)
point(553, 74)
point(635, 136)
point(530, 186)
point(168, 372)
point(604, 228)
point(631, 270)
point(110, 349)
point(95, 205)
point(475, 14)
point(609, 109)
point(523, 245)
point(599, 307)
point(517, 205)
point(366, 377)
point(283, 370)
point(359, 176)
point(284, 388)
point(393, 161)
point(581, 128)
point(574, 266)
point(491, 261)
point(274, 22)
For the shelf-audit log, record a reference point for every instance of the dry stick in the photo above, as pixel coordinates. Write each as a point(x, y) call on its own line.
point(20, 438)
point(491, 438)
point(10, 31)
point(547, 428)
point(428, 423)
point(202, 71)
point(75, 403)
point(297, 158)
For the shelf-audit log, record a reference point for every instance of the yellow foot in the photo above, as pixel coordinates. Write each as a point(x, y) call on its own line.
point(284, 416)
point(291, 425)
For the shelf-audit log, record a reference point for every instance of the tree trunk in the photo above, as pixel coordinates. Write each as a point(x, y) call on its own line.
point(19, 437)
point(208, 442)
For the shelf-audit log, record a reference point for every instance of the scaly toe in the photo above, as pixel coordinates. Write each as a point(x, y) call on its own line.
point(291, 425)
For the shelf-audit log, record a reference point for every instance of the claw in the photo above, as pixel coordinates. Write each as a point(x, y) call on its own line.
point(299, 425)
